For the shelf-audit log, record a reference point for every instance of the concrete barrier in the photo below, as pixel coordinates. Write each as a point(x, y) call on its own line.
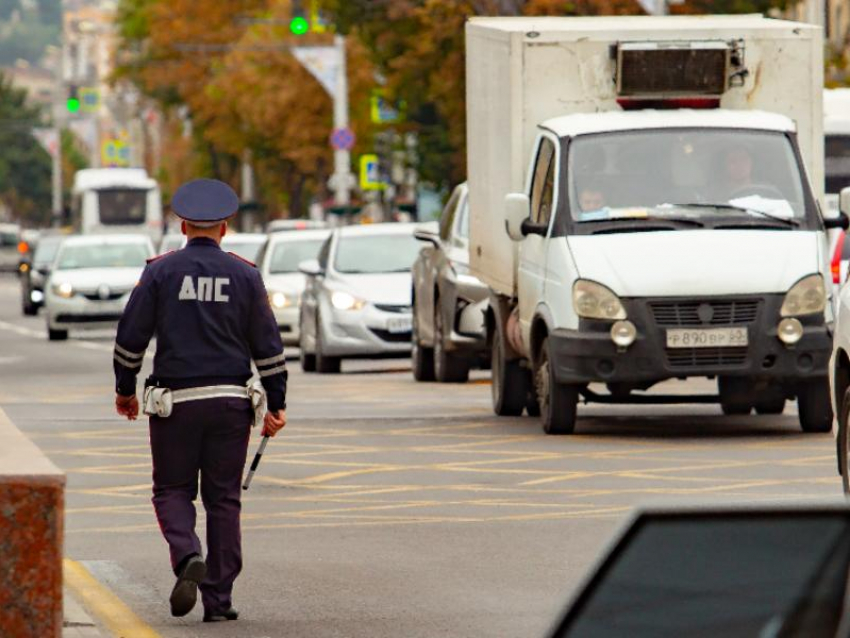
point(32, 497)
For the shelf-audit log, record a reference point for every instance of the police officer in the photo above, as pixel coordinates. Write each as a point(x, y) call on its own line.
point(211, 316)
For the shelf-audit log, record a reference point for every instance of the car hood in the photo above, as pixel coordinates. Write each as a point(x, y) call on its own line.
point(285, 282)
point(708, 262)
point(392, 289)
point(92, 278)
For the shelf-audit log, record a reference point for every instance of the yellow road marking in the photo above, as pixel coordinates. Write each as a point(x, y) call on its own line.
point(104, 604)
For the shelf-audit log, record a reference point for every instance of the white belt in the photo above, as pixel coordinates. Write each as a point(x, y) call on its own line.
point(210, 392)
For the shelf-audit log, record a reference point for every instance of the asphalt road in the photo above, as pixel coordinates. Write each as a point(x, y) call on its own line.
point(390, 508)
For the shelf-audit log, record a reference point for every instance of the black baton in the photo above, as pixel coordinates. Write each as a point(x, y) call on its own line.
point(255, 463)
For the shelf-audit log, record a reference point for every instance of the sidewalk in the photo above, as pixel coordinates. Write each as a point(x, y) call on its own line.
point(78, 624)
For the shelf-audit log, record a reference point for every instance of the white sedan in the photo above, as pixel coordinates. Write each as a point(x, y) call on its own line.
point(91, 281)
point(358, 295)
point(278, 263)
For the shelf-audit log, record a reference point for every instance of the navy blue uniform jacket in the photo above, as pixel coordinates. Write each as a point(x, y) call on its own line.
point(210, 313)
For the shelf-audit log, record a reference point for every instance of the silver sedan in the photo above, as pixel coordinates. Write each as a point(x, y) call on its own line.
point(356, 302)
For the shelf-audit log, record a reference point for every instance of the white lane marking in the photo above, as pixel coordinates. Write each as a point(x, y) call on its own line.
point(39, 334)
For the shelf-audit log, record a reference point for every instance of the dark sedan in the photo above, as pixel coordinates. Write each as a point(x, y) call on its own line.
point(34, 273)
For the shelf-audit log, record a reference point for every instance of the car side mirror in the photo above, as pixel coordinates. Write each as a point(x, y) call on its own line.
point(427, 236)
point(311, 268)
point(517, 212)
point(844, 201)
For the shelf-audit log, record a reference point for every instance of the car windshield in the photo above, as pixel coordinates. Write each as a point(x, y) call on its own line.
point(287, 255)
point(684, 173)
point(837, 166)
point(8, 238)
point(102, 256)
point(122, 206)
point(246, 249)
point(45, 251)
point(376, 253)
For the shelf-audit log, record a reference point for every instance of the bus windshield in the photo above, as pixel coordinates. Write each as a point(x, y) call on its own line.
point(122, 206)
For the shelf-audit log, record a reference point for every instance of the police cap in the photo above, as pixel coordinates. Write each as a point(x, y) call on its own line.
point(205, 200)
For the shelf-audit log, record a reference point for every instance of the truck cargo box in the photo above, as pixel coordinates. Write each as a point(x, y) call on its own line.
point(523, 71)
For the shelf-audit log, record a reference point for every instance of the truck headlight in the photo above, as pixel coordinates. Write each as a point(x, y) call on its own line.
point(806, 297)
point(64, 290)
point(342, 300)
point(594, 301)
point(282, 300)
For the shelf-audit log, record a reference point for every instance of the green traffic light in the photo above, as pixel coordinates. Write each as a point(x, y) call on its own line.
point(299, 26)
point(73, 105)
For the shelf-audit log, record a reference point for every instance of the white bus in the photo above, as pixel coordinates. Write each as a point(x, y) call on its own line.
point(117, 200)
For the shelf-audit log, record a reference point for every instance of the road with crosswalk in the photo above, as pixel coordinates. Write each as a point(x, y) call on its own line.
point(387, 507)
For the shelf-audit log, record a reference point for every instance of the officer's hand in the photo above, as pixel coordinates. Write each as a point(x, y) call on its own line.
point(127, 406)
point(274, 422)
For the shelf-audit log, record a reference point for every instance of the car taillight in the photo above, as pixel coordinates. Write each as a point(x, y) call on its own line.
point(835, 266)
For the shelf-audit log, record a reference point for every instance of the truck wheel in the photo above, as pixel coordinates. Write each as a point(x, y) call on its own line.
point(735, 396)
point(508, 389)
point(815, 406)
point(844, 441)
point(57, 335)
point(558, 402)
point(448, 368)
point(423, 358)
point(325, 364)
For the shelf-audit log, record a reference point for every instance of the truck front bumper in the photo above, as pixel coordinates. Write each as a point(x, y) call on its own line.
point(588, 355)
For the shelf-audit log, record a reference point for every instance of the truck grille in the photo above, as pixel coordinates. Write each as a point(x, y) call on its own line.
point(706, 357)
point(694, 313)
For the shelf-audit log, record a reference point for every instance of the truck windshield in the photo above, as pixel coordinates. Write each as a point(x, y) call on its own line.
point(122, 206)
point(684, 173)
point(837, 165)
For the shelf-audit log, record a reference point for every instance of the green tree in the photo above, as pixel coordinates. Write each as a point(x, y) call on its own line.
point(24, 165)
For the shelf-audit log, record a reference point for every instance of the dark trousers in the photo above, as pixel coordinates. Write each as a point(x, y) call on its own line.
point(206, 438)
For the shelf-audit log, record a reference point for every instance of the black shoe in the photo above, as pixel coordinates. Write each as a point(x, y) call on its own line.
point(185, 592)
point(221, 616)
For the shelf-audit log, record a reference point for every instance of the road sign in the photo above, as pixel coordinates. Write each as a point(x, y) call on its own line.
point(115, 153)
point(342, 139)
point(383, 111)
point(89, 99)
point(370, 174)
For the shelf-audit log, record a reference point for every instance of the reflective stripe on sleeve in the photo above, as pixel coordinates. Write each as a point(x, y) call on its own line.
point(127, 354)
point(135, 365)
point(270, 372)
point(271, 360)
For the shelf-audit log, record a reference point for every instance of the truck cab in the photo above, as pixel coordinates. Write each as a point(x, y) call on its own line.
point(669, 225)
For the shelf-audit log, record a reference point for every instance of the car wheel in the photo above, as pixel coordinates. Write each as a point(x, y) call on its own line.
point(509, 386)
point(558, 401)
point(844, 441)
point(56, 335)
point(307, 360)
point(422, 357)
point(735, 396)
point(448, 368)
point(815, 406)
point(30, 309)
point(325, 364)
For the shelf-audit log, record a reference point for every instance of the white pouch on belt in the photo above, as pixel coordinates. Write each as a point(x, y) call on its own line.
point(158, 402)
point(259, 401)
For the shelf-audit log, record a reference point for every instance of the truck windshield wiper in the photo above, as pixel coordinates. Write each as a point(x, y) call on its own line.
point(654, 218)
point(749, 211)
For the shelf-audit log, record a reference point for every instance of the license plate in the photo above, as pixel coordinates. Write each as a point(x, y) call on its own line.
point(709, 338)
point(398, 325)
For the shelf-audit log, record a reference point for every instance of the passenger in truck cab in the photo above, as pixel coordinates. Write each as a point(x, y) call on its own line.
point(592, 204)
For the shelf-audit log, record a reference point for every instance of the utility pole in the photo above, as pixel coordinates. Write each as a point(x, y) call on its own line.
point(58, 118)
point(342, 158)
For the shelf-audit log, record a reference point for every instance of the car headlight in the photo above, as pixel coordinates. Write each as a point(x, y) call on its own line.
point(64, 290)
point(342, 300)
point(282, 300)
point(806, 297)
point(594, 301)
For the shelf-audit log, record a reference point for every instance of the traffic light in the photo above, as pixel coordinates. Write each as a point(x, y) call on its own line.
point(73, 102)
point(299, 25)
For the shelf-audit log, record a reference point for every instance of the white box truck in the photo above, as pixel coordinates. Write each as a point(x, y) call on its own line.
point(645, 197)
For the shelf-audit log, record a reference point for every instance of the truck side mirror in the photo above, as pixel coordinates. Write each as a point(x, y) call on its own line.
point(517, 211)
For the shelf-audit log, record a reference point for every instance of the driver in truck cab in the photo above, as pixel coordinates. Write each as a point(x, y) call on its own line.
point(739, 170)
